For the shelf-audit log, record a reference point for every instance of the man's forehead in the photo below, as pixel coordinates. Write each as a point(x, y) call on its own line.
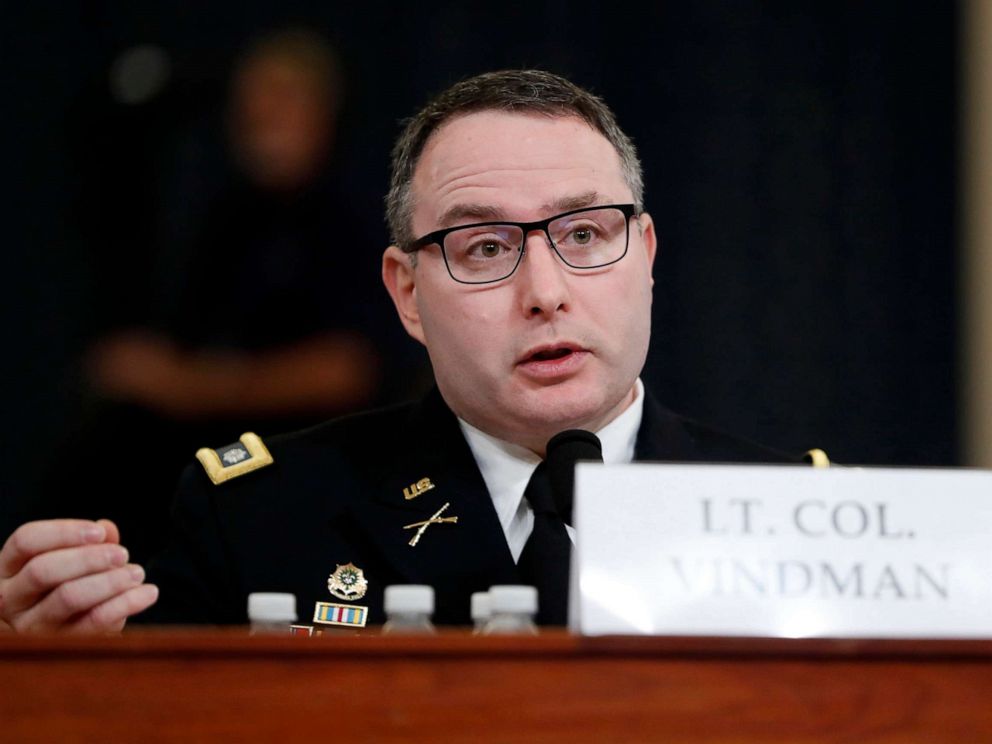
point(463, 211)
point(495, 160)
point(509, 138)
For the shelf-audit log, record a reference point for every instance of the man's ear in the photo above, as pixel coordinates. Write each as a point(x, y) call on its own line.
point(649, 238)
point(400, 279)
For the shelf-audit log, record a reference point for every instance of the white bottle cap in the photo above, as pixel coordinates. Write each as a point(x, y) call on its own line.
point(481, 610)
point(271, 607)
point(409, 598)
point(513, 598)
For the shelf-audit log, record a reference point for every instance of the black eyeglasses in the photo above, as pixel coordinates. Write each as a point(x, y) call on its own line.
point(485, 252)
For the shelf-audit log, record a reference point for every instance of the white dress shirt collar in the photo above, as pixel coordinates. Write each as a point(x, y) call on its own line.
point(506, 468)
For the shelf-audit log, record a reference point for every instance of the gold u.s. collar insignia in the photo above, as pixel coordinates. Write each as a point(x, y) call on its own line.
point(348, 582)
point(415, 489)
point(244, 456)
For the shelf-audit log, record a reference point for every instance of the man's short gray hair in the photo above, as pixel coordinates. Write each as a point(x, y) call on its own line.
point(523, 91)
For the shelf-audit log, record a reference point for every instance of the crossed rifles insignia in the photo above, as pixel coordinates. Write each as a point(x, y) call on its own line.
point(421, 527)
point(413, 491)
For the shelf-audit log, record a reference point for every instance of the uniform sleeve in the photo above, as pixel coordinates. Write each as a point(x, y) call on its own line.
point(194, 573)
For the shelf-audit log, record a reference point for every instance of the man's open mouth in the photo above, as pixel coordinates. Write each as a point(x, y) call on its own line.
point(563, 352)
point(550, 354)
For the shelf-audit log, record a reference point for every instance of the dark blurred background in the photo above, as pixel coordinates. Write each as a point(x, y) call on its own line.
point(799, 164)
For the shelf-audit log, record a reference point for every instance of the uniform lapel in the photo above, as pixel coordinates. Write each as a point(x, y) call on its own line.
point(455, 558)
point(661, 436)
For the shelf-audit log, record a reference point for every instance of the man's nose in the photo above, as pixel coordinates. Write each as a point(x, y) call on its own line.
point(543, 284)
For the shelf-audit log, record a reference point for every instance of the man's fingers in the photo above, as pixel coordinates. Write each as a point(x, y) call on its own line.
point(34, 538)
point(62, 571)
point(44, 572)
point(79, 596)
point(112, 614)
point(113, 534)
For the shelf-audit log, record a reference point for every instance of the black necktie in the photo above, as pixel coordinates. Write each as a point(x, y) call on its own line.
point(544, 560)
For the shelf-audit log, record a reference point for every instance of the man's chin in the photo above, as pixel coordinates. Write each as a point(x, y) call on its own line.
point(555, 412)
point(576, 406)
point(530, 416)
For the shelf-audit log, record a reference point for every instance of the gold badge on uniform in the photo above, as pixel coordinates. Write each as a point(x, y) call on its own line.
point(244, 456)
point(348, 582)
point(415, 489)
point(421, 527)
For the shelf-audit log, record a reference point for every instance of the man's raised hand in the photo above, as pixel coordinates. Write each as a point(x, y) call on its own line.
point(69, 574)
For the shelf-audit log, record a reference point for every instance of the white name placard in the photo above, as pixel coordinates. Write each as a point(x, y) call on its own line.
point(782, 551)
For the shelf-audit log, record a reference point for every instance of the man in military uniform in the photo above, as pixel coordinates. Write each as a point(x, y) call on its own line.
point(522, 260)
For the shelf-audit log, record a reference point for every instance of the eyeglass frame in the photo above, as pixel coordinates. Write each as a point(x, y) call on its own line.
point(437, 238)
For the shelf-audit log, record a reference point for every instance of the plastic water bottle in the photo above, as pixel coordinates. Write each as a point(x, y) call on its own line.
point(408, 609)
point(481, 611)
point(271, 612)
point(513, 609)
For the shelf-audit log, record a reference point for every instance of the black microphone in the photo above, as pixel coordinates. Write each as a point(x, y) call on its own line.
point(563, 451)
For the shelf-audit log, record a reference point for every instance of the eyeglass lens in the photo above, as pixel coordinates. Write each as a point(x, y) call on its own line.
point(491, 252)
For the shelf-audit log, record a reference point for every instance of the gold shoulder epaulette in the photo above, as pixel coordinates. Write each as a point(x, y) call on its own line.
point(245, 455)
point(817, 458)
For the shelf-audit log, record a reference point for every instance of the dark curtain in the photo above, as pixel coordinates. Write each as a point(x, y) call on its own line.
point(799, 163)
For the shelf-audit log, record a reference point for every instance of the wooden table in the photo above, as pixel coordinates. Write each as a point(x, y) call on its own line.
point(152, 686)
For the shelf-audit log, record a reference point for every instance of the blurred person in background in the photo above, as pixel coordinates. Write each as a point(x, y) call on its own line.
point(268, 316)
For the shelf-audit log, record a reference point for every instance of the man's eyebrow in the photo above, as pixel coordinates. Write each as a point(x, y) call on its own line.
point(568, 203)
point(471, 213)
point(460, 213)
